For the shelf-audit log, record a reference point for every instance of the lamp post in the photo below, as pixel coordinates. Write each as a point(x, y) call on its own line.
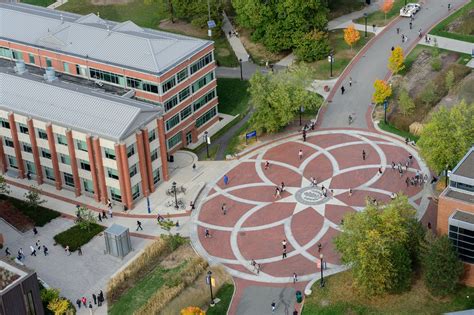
point(301, 111)
point(331, 60)
point(206, 135)
point(209, 281)
point(241, 75)
point(366, 16)
point(446, 178)
point(385, 105)
point(175, 195)
point(322, 268)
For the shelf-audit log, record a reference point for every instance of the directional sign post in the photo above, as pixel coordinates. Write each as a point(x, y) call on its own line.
point(250, 135)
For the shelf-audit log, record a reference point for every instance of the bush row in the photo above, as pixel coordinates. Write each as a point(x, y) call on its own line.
point(76, 237)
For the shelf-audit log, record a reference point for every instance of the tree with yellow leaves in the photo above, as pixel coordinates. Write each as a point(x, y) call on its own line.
point(192, 310)
point(59, 306)
point(396, 60)
point(351, 35)
point(382, 91)
point(386, 6)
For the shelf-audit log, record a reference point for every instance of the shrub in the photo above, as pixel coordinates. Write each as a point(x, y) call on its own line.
point(59, 306)
point(4, 188)
point(429, 94)
point(313, 46)
point(86, 219)
point(406, 103)
point(449, 80)
point(48, 295)
point(436, 64)
point(76, 237)
point(174, 241)
point(40, 215)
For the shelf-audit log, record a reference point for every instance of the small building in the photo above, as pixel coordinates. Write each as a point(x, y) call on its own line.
point(117, 240)
point(19, 290)
point(456, 213)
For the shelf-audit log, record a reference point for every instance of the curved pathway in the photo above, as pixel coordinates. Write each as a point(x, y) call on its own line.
point(256, 223)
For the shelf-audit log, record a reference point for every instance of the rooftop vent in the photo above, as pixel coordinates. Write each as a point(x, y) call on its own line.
point(20, 67)
point(50, 74)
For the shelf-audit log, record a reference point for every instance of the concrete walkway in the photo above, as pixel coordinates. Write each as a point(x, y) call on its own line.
point(344, 19)
point(450, 44)
point(57, 4)
point(371, 64)
point(234, 40)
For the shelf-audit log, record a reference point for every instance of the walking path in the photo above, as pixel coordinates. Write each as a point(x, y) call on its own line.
point(57, 4)
point(371, 64)
point(234, 40)
point(344, 19)
point(449, 44)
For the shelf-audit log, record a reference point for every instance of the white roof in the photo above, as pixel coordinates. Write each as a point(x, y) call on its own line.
point(68, 105)
point(123, 44)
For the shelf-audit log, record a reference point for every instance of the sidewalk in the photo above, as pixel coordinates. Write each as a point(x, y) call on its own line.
point(450, 44)
point(57, 4)
point(347, 19)
point(234, 41)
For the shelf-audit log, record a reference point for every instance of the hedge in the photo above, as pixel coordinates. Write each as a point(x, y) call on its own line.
point(76, 237)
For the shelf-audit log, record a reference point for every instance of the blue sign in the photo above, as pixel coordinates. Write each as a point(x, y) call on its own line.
point(148, 204)
point(251, 134)
point(211, 24)
point(385, 105)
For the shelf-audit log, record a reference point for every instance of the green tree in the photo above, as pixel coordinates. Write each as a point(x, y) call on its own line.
point(33, 198)
point(283, 25)
point(382, 91)
point(447, 137)
point(449, 80)
point(4, 188)
point(313, 46)
point(196, 12)
point(277, 98)
point(407, 105)
point(442, 267)
point(396, 61)
point(86, 218)
point(429, 94)
point(376, 244)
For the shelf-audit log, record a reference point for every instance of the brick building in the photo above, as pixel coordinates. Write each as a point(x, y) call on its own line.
point(172, 71)
point(456, 212)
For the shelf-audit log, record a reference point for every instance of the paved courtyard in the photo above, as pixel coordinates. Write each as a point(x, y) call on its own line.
point(257, 222)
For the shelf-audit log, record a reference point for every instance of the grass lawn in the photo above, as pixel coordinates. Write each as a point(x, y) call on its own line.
point(76, 237)
point(378, 17)
point(465, 25)
point(342, 55)
point(41, 3)
point(225, 295)
point(225, 55)
point(338, 297)
point(233, 96)
point(40, 216)
point(140, 293)
point(342, 7)
point(389, 128)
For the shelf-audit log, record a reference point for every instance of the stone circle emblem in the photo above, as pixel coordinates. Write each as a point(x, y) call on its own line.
point(310, 196)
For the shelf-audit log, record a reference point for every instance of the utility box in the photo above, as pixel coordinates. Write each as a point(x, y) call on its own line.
point(117, 240)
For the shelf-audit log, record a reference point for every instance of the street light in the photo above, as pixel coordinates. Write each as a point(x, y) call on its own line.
point(366, 16)
point(241, 75)
point(301, 111)
point(331, 60)
point(175, 195)
point(385, 105)
point(322, 267)
point(209, 281)
point(206, 135)
point(446, 178)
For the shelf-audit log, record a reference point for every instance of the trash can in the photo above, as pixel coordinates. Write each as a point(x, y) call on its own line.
point(299, 297)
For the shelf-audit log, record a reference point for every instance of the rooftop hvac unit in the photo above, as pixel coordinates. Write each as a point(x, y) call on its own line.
point(20, 67)
point(50, 74)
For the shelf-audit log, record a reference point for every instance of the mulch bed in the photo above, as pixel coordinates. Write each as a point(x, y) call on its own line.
point(14, 217)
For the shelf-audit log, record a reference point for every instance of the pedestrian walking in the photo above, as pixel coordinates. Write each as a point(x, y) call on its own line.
point(45, 250)
point(78, 302)
point(273, 307)
point(342, 90)
point(411, 25)
point(282, 186)
point(101, 297)
point(206, 233)
point(393, 48)
point(100, 217)
point(111, 213)
point(139, 225)
point(300, 154)
point(66, 249)
point(295, 277)
point(284, 254)
point(398, 30)
point(277, 192)
point(420, 35)
point(35, 231)
point(320, 246)
point(224, 209)
point(90, 307)
point(94, 297)
point(283, 243)
point(79, 251)
point(7, 252)
point(350, 81)
point(304, 135)
point(350, 192)
point(253, 263)
point(373, 27)
point(449, 7)
point(226, 179)
point(84, 301)
point(21, 254)
point(109, 203)
point(267, 165)
point(258, 268)
point(363, 155)
point(191, 204)
point(380, 171)
point(104, 215)
point(33, 250)
point(393, 165)
point(38, 245)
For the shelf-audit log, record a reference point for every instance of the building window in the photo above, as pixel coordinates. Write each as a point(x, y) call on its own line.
point(5, 123)
point(27, 148)
point(30, 305)
point(31, 57)
point(62, 139)
point(66, 67)
point(134, 83)
point(172, 102)
point(42, 134)
point(201, 63)
point(154, 155)
point(112, 173)
point(206, 117)
point(109, 153)
point(168, 85)
point(152, 88)
point(81, 145)
point(133, 170)
point(130, 150)
point(107, 76)
point(185, 113)
point(30, 167)
point(48, 62)
point(151, 135)
point(17, 55)
point(463, 241)
point(88, 185)
point(204, 100)
point(156, 176)
point(45, 153)
point(12, 162)
point(182, 75)
point(85, 165)
point(461, 186)
point(49, 173)
point(9, 142)
point(202, 82)
point(136, 191)
point(173, 121)
point(184, 94)
point(174, 140)
point(115, 194)
point(69, 179)
point(65, 159)
point(23, 129)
